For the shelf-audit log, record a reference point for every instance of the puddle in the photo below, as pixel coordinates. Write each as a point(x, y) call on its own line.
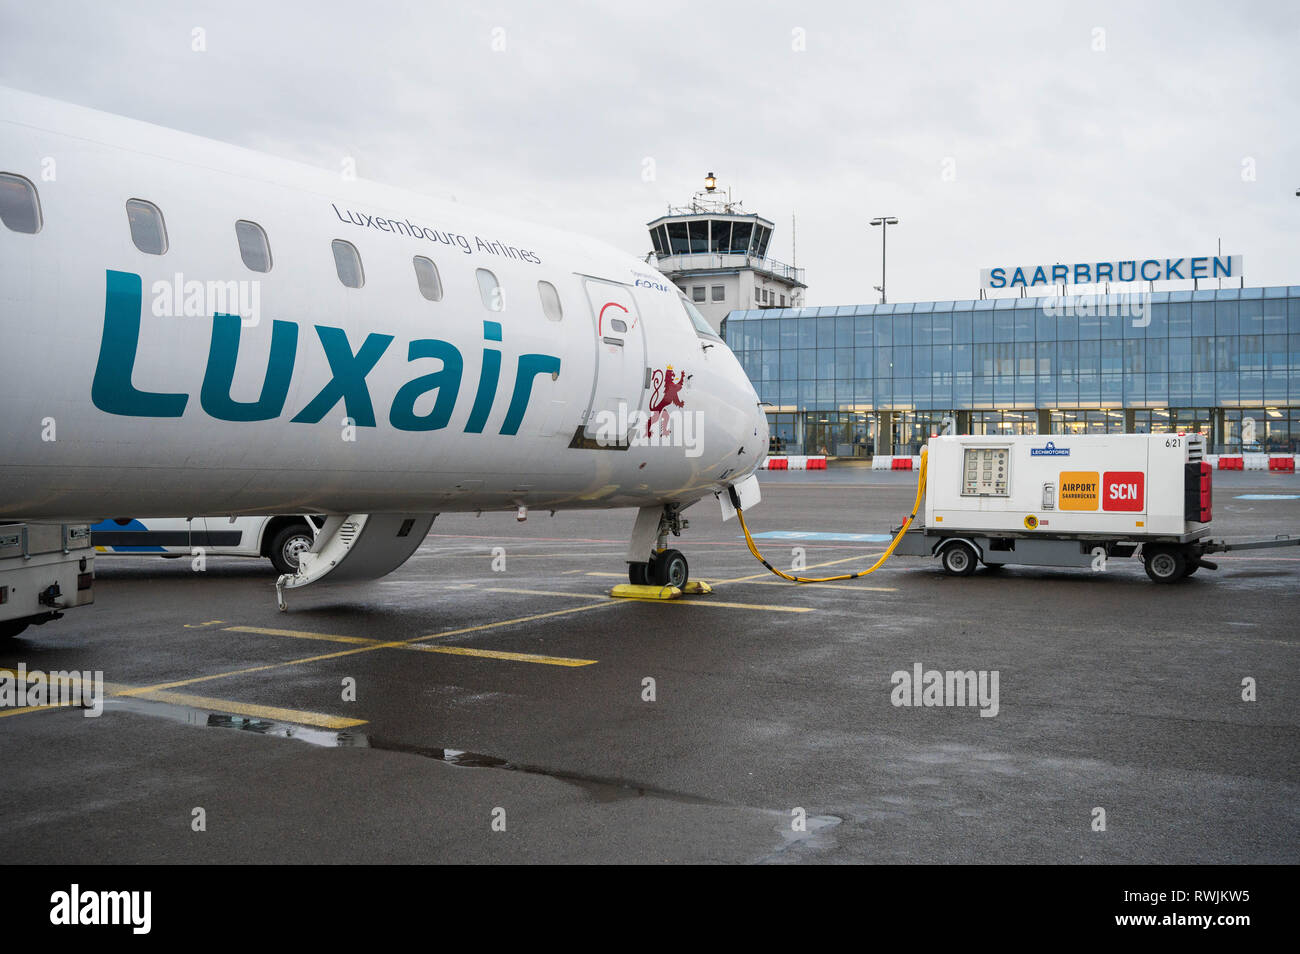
point(599, 789)
point(325, 738)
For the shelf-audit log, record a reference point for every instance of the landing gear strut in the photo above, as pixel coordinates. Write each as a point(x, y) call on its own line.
point(664, 567)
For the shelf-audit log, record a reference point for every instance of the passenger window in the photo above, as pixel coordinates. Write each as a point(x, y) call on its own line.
point(550, 301)
point(490, 291)
point(148, 231)
point(20, 207)
point(254, 249)
point(347, 262)
point(426, 273)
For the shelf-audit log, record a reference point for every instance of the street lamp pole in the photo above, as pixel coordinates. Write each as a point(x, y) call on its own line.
point(884, 222)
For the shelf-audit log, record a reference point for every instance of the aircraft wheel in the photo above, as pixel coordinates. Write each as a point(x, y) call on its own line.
point(669, 568)
point(637, 574)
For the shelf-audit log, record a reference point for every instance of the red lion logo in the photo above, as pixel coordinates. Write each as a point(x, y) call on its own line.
point(666, 394)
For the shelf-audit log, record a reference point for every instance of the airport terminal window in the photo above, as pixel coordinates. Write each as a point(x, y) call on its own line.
point(20, 207)
point(490, 291)
point(148, 231)
point(719, 293)
point(697, 293)
point(550, 301)
point(426, 274)
point(254, 249)
point(347, 262)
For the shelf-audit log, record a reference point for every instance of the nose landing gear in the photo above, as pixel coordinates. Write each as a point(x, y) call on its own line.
point(649, 561)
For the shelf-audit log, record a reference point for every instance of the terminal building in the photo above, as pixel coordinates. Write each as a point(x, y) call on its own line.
point(716, 253)
point(856, 380)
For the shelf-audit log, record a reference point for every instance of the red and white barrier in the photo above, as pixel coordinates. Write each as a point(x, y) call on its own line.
point(794, 462)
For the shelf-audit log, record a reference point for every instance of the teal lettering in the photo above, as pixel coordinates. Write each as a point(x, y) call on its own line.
point(530, 365)
point(223, 354)
point(111, 390)
point(349, 381)
point(446, 380)
point(487, 382)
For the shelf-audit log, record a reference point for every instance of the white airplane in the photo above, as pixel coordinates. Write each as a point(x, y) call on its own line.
point(191, 328)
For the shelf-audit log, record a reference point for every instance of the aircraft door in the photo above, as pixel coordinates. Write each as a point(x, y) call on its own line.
point(620, 362)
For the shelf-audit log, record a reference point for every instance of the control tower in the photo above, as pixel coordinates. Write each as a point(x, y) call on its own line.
point(716, 253)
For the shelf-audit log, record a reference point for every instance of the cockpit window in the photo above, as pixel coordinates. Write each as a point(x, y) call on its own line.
point(699, 321)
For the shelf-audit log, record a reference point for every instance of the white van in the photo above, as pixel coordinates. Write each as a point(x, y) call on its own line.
point(280, 538)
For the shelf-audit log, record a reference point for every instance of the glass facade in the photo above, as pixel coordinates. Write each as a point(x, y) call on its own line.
point(852, 378)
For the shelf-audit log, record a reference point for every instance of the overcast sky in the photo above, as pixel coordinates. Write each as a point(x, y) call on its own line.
point(1000, 134)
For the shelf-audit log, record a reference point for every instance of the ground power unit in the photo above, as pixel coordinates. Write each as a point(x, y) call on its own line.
point(1070, 501)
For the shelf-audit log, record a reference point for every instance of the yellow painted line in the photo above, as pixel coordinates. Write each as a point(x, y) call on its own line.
point(274, 713)
point(160, 689)
point(843, 585)
point(543, 556)
point(510, 622)
point(580, 596)
point(595, 573)
point(498, 654)
point(154, 694)
point(394, 644)
point(248, 670)
point(706, 602)
point(811, 566)
point(302, 634)
point(13, 712)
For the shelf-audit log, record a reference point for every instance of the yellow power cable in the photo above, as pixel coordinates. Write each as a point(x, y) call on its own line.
point(916, 507)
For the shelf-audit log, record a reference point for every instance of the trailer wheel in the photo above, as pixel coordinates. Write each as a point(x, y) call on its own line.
point(1166, 566)
point(959, 559)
